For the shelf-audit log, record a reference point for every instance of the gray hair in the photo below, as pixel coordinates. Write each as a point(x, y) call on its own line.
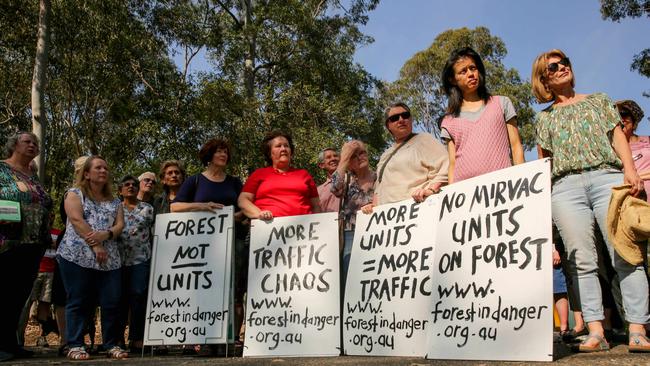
point(12, 141)
point(321, 154)
point(395, 105)
point(143, 175)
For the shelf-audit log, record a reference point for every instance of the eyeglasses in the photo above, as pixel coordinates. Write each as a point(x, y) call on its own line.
point(129, 184)
point(396, 117)
point(149, 180)
point(625, 114)
point(554, 66)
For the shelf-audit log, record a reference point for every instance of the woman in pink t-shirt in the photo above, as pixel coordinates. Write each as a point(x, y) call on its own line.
point(278, 189)
point(631, 115)
point(480, 130)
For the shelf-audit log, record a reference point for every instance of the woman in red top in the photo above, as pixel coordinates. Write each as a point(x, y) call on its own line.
point(278, 190)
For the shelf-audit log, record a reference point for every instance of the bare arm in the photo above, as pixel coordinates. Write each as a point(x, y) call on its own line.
point(451, 149)
point(195, 206)
point(515, 142)
point(73, 209)
point(622, 149)
point(245, 203)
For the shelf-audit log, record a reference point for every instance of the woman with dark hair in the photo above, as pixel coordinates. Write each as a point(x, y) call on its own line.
point(415, 166)
point(172, 176)
point(211, 190)
point(480, 130)
point(582, 134)
point(631, 114)
point(22, 238)
point(279, 189)
point(135, 251)
point(89, 258)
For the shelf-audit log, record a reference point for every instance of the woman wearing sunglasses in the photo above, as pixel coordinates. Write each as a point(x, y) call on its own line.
point(472, 115)
point(631, 115)
point(583, 136)
point(415, 166)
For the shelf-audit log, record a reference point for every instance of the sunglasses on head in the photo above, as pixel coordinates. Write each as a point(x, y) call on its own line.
point(395, 117)
point(554, 66)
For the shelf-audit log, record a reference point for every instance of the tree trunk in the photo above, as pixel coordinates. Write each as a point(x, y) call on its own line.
point(249, 62)
point(39, 121)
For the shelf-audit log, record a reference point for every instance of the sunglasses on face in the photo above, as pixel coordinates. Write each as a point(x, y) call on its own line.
point(554, 66)
point(149, 180)
point(396, 117)
point(129, 184)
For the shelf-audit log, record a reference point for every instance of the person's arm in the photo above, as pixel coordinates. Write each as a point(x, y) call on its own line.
point(367, 209)
point(195, 206)
point(436, 159)
point(543, 153)
point(516, 147)
point(645, 175)
point(622, 149)
point(451, 149)
point(249, 209)
point(74, 211)
point(314, 202)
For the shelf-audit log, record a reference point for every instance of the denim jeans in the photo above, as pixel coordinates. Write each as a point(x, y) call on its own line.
point(83, 287)
point(135, 285)
point(578, 201)
point(348, 239)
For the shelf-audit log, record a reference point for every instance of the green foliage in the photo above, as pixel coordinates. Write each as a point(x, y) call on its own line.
point(420, 86)
point(114, 89)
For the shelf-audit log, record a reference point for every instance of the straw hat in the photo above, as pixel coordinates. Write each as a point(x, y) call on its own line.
point(628, 224)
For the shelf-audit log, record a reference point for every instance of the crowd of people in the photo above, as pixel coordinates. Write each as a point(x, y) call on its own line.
point(103, 254)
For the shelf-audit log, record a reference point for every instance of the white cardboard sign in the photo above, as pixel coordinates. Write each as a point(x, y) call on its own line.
point(293, 287)
point(492, 282)
point(189, 283)
point(387, 294)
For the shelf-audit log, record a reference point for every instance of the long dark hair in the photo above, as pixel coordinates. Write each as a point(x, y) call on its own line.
point(454, 95)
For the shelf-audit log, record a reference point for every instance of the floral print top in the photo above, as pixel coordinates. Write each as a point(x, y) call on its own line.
point(577, 135)
point(354, 199)
point(101, 217)
point(135, 247)
point(35, 206)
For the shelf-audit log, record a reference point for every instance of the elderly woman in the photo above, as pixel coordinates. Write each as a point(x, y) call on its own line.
point(211, 190)
point(135, 252)
point(278, 189)
point(22, 241)
point(147, 187)
point(582, 134)
point(89, 258)
point(415, 166)
point(631, 115)
point(353, 182)
point(172, 175)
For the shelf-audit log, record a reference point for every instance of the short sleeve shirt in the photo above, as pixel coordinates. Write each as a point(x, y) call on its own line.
point(283, 193)
point(198, 188)
point(101, 217)
point(577, 135)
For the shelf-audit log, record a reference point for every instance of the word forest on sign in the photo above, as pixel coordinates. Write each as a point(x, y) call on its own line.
point(293, 287)
point(189, 285)
point(387, 294)
point(492, 280)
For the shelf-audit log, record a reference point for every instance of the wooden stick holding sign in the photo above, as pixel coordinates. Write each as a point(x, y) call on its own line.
point(189, 283)
point(293, 287)
point(492, 281)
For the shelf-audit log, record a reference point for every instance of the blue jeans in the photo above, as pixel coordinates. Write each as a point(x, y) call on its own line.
point(135, 285)
point(579, 200)
point(83, 287)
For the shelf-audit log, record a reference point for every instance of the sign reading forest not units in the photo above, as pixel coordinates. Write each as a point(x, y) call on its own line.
point(387, 294)
point(293, 287)
point(189, 284)
point(492, 281)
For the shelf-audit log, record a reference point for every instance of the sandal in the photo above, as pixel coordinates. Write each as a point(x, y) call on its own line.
point(117, 353)
point(602, 344)
point(635, 343)
point(570, 335)
point(78, 354)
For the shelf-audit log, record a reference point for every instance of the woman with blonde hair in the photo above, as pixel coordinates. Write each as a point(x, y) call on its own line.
point(89, 258)
point(582, 134)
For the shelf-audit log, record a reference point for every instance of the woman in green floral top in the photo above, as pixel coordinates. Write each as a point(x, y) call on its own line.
point(582, 135)
point(22, 243)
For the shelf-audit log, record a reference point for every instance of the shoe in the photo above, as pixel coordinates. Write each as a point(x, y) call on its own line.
point(635, 343)
point(602, 345)
point(569, 336)
point(42, 342)
point(117, 353)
